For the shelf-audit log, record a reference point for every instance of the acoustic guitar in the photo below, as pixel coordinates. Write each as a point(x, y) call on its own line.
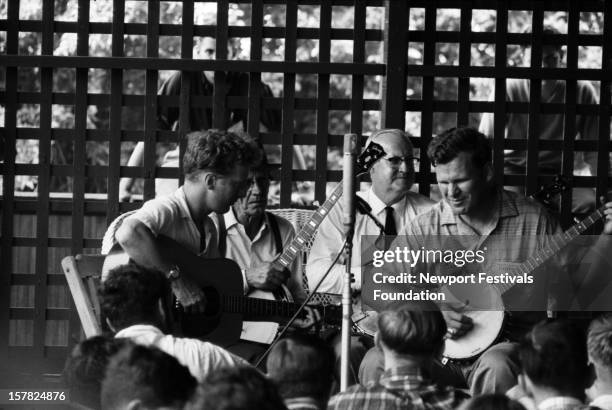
point(222, 282)
point(226, 306)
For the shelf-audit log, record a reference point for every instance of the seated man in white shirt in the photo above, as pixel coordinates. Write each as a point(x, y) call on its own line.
point(599, 346)
point(392, 203)
point(254, 239)
point(132, 302)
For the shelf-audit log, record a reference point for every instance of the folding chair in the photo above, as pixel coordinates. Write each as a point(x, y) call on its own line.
point(83, 277)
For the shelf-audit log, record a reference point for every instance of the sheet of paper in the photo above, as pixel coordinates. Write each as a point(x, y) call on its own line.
point(260, 332)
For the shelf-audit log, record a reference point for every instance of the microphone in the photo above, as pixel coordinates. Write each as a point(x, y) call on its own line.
point(365, 209)
point(348, 178)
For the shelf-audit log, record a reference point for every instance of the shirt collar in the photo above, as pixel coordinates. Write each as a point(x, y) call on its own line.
point(134, 330)
point(604, 401)
point(179, 194)
point(559, 402)
point(405, 378)
point(302, 403)
point(231, 221)
point(379, 206)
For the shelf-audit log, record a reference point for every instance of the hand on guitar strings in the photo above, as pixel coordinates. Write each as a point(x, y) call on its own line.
point(267, 276)
point(457, 323)
point(313, 318)
point(190, 295)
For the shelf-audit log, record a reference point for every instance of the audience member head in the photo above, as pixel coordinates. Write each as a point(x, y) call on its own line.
point(393, 175)
point(132, 294)
point(141, 377)
point(462, 157)
point(411, 330)
point(491, 402)
point(205, 48)
point(554, 361)
point(599, 347)
point(236, 388)
point(254, 202)
point(302, 366)
point(216, 166)
point(85, 367)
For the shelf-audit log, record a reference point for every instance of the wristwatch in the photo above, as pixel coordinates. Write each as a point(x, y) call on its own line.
point(174, 273)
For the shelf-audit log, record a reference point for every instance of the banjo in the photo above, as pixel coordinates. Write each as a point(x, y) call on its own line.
point(488, 323)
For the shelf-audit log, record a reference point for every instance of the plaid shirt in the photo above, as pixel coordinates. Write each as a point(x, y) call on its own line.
point(521, 227)
point(398, 388)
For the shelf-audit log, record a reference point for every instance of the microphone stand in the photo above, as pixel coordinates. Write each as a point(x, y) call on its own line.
point(350, 156)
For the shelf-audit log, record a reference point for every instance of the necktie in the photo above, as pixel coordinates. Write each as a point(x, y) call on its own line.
point(390, 228)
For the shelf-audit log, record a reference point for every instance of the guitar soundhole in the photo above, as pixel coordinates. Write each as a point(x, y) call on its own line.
point(213, 302)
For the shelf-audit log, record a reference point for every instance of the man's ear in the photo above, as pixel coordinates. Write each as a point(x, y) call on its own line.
point(489, 172)
point(377, 340)
point(135, 404)
point(110, 325)
point(526, 384)
point(161, 311)
point(210, 180)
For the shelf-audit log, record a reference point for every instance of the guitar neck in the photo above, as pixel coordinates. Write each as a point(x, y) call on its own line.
point(557, 243)
point(308, 230)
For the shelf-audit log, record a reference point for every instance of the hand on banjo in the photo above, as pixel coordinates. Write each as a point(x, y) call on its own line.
point(457, 323)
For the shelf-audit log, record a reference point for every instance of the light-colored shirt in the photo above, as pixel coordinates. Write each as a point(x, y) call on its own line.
point(521, 227)
point(604, 402)
point(200, 357)
point(561, 403)
point(330, 237)
point(169, 216)
point(249, 253)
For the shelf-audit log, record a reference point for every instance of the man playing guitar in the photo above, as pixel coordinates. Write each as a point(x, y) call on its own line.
point(473, 205)
point(216, 166)
point(254, 239)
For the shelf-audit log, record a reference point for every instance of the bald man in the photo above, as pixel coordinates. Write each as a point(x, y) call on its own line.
point(392, 202)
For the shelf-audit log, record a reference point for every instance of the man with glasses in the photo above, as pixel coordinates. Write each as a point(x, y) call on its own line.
point(392, 203)
point(551, 126)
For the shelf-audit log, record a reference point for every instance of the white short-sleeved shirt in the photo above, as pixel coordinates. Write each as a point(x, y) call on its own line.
point(200, 357)
point(170, 216)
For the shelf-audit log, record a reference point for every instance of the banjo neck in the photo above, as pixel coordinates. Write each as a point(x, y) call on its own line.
point(556, 243)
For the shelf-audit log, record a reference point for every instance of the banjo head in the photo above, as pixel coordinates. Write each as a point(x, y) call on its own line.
point(487, 321)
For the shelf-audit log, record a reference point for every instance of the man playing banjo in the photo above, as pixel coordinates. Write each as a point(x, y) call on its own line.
point(472, 204)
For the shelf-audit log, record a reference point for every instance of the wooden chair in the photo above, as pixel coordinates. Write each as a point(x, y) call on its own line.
point(83, 277)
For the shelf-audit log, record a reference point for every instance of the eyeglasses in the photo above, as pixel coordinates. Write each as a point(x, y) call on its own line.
point(396, 162)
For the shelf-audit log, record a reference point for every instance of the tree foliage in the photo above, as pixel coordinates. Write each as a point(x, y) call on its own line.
point(340, 86)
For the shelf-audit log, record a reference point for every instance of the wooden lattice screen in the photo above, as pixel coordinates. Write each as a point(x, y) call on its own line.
point(36, 321)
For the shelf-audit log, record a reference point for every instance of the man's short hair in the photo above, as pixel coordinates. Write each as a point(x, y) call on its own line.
point(553, 355)
point(236, 388)
point(85, 367)
point(413, 328)
point(599, 341)
point(219, 152)
point(147, 374)
point(130, 295)
point(302, 366)
point(376, 134)
point(446, 146)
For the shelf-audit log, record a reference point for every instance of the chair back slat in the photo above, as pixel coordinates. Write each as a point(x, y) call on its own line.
point(83, 277)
